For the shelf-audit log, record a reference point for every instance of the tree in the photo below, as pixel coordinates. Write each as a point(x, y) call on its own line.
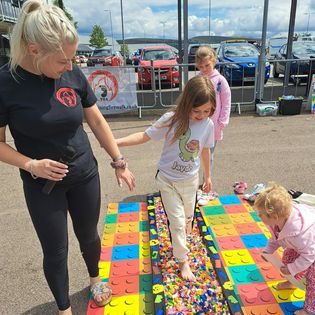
point(59, 3)
point(124, 49)
point(97, 38)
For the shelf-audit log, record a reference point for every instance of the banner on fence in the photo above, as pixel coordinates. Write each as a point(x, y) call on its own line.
point(114, 87)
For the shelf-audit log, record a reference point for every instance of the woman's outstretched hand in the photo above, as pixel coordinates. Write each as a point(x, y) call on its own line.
point(123, 174)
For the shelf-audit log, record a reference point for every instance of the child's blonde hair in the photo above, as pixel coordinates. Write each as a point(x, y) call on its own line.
point(274, 202)
point(205, 52)
point(198, 91)
point(41, 24)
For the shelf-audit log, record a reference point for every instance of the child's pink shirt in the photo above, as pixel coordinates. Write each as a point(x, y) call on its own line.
point(298, 233)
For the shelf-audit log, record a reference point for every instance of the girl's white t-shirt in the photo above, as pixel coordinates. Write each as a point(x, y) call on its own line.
point(181, 159)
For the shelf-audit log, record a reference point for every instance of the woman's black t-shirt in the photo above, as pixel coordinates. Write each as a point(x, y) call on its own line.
point(45, 118)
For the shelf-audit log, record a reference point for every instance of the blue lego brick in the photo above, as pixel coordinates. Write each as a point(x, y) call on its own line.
point(254, 240)
point(125, 252)
point(246, 274)
point(229, 200)
point(128, 207)
point(289, 308)
point(255, 216)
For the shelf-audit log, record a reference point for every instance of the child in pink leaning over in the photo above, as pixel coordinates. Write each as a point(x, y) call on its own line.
point(292, 227)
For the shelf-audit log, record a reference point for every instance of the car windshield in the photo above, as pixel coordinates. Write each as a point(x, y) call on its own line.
point(102, 52)
point(159, 54)
point(304, 49)
point(240, 51)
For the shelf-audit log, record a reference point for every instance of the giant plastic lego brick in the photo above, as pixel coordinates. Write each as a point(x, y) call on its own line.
point(125, 263)
point(241, 267)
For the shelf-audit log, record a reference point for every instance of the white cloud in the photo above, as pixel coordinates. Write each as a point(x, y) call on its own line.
point(142, 18)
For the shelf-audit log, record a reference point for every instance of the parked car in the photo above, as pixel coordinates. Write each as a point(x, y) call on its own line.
point(243, 58)
point(299, 69)
point(83, 59)
point(164, 63)
point(105, 57)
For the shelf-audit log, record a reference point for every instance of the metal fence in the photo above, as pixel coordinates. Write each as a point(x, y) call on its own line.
point(157, 92)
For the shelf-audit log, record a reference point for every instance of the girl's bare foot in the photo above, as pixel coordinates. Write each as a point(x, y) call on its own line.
point(186, 272)
point(66, 312)
point(302, 312)
point(101, 291)
point(285, 285)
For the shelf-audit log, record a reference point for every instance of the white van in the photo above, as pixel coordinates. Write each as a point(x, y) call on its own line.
point(275, 43)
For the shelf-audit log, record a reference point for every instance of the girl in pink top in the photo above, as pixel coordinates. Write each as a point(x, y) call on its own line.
point(206, 60)
point(292, 227)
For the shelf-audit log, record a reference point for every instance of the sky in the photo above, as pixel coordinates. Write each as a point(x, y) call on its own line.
point(158, 19)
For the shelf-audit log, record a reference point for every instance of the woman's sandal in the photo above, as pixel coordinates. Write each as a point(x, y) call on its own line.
point(99, 289)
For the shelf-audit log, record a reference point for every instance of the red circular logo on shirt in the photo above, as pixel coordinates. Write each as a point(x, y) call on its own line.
point(67, 97)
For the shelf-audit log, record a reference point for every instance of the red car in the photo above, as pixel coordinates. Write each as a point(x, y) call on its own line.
point(105, 57)
point(165, 67)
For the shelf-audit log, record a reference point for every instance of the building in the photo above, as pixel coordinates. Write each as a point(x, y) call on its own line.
point(9, 12)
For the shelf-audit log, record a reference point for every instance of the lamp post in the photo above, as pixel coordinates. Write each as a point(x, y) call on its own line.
point(308, 20)
point(209, 19)
point(122, 29)
point(111, 29)
point(163, 22)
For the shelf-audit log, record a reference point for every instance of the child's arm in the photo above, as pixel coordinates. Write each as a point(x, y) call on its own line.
point(133, 139)
point(225, 97)
point(205, 158)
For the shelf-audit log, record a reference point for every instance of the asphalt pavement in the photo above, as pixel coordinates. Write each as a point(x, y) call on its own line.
point(254, 149)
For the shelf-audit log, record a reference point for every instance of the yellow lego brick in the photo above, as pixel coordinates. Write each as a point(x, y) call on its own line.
point(290, 295)
point(248, 207)
point(264, 229)
point(127, 304)
point(112, 208)
point(224, 230)
point(144, 250)
point(104, 269)
point(214, 202)
point(127, 227)
point(107, 240)
point(237, 257)
point(238, 218)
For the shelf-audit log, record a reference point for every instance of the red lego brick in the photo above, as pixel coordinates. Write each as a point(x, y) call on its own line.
point(126, 238)
point(268, 309)
point(255, 294)
point(237, 208)
point(144, 237)
point(247, 228)
point(230, 242)
point(106, 254)
point(145, 266)
point(269, 272)
point(128, 217)
point(124, 285)
point(93, 309)
point(256, 254)
point(143, 207)
point(121, 268)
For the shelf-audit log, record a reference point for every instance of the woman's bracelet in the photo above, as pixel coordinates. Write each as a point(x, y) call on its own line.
point(120, 162)
point(31, 169)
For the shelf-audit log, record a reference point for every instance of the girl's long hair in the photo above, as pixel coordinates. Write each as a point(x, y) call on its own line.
point(198, 91)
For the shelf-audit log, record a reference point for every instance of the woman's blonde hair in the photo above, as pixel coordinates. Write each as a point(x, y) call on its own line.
point(198, 91)
point(274, 201)
point(205, 52)
point(41, 24)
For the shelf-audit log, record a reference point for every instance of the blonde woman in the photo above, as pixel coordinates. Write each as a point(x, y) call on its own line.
point(43, 100)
